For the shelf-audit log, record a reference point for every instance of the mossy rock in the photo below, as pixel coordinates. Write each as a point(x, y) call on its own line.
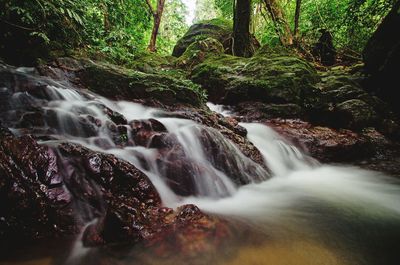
point(198, 52)
point(218, 28)
point(263, 78)
point(339, 87)
point(149, 62)
point(125, 84)
point(357, 114)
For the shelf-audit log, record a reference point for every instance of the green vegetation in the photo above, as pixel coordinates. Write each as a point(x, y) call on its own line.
point(351, 22)
point(120, 30)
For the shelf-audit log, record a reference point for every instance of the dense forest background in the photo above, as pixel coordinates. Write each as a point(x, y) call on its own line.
point(121, 29)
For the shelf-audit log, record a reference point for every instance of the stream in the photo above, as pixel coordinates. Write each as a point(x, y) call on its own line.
point(299, 211)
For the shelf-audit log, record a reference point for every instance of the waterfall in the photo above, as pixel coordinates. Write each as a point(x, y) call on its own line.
point(208, 160)
point(299, 185)
point(191, 163)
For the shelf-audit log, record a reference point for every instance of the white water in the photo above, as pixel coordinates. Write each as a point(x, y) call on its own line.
point(298, 190)
point(295, 175)
point(74, 110)
point(300, 185)
point(297, 180)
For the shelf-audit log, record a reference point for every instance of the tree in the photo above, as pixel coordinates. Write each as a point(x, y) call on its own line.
point(157, 14)
point(242, 45)
point(296, 20)
point(281, 25)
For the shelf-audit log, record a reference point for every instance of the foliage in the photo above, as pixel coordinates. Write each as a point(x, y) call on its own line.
point(115, 30)
point(225, 7)
point(351, 22)
point(120, 29)
point(173, 26)
point(206, 10)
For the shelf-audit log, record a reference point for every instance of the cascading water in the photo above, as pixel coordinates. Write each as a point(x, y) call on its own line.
point(298, 194)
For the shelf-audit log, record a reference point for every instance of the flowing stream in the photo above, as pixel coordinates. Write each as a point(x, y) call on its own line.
point(307, 213)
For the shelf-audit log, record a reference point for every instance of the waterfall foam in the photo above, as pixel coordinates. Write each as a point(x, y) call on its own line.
point(81, 117)
point(299, 187)
point(298, 193)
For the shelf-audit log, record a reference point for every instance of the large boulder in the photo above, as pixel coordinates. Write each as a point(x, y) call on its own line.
point(382, 59)
point(218, 29)
point(266, 77)
point(125, 84)
point(35, 201)
point(349, 104)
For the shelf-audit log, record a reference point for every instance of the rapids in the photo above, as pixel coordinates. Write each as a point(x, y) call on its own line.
point(338, 212)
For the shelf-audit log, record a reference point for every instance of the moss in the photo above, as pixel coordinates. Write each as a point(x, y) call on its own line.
point(219, 22)
point(357, 114)
point(219, 29)
point(278, 79)
point(199, 51)
point(121, 83)
point(149, 62)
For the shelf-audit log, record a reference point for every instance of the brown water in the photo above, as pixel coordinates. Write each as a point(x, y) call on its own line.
point(267, 253)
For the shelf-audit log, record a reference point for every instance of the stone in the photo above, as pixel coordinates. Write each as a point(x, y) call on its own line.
point(357, 114)
point(277, 79)
point(218, 29)
point(121, 83)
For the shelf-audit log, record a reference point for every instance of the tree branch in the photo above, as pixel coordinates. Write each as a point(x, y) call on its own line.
point(150, 7)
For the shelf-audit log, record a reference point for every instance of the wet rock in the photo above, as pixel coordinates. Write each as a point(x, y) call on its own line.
point(257, 111)
point(35, 200)
point(147, 132)
point(323, 143)
point(186, 230)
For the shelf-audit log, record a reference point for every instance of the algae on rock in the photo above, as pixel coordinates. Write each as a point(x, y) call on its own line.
point(125, 84)
point(271, 79)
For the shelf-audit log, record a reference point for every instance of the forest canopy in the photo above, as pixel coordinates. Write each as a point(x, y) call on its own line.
point(120, 29)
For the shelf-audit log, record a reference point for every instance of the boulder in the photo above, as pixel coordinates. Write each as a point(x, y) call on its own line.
point(323, 143)
point(349, 105)
point(218, 29)
point(356, 114)
point(124, 84)
point(367, 148)
point(35, 201)
point(198, 52)
point(382, 59)
point(268, 78)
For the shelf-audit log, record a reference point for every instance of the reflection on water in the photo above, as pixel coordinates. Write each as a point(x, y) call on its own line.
point(263, 253)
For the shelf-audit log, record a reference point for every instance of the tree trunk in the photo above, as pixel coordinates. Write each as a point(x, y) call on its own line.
point(157, 14)
point(242, 45)
point(154, 33)
point(296, 20)
point(281, 25)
